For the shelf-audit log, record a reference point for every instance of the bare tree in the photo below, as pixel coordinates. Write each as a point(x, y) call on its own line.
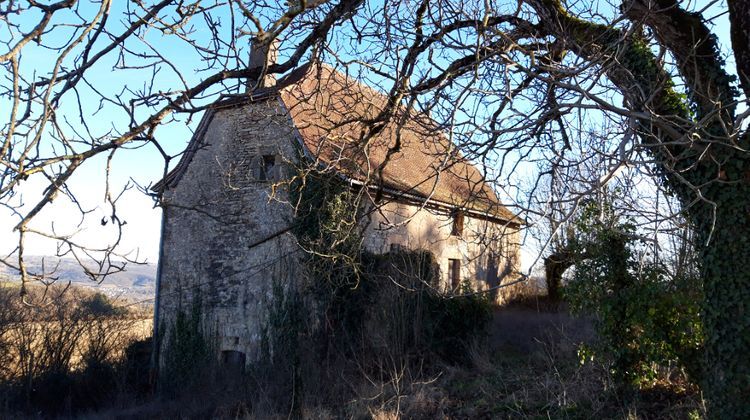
point(49, 134)
point(638, 84)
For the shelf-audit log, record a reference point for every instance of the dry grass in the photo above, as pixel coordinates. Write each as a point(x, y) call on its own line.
point(527, 368)
point(62, 355)
point(536, 374)
point(63, 333)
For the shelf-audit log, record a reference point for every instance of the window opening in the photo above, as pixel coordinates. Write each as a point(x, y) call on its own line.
point(457, 228)
point(454, 271)
point(267, 166)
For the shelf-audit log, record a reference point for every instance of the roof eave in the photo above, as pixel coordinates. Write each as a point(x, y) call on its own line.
point(437, 203)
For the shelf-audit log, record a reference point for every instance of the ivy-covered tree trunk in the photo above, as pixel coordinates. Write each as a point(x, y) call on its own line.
point(726, 282)
point(701, 155)
point(616, 260)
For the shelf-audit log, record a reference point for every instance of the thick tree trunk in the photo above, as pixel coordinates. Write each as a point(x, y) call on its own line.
point(719, 167)
point(726, 282)
point(554, 267)
point(739, 18)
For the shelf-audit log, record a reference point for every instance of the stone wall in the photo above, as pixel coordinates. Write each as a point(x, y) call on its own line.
point(226, 240)
point(488, 250)
point(218, 221)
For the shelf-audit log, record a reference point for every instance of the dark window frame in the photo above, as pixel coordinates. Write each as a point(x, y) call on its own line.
point(457, 223)
point(454, 273)
point(266, 167)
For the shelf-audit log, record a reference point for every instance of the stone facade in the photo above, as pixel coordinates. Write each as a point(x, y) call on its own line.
point(487, 250)
point(226, 235)
point(216, 226)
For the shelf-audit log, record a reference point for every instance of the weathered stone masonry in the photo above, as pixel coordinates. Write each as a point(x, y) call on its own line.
point(213, 217)
point(227, 240)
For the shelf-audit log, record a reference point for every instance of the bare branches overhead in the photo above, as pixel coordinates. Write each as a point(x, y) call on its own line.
point(584, 95)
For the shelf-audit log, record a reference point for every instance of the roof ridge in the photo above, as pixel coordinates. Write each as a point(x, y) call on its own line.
point(325, 106)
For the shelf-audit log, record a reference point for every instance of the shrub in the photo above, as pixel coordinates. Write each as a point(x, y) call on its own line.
point(456, 323)
point(389, 319)
point(376, 314)
point(283, 341)
point(646, 319)
point(396, 308)
point(63, 357)
point(136, 367)
point(99, 305)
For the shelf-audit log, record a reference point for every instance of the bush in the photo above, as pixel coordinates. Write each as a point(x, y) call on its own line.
point(396, 311)
point(136, 367)
point(99, 305)
point(64, 357)
point(456, 323)
point(374, 314)
point(646, 319)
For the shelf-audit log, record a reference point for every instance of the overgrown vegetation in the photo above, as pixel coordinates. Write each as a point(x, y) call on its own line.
point(371, 336)
point(362, 294)
point(76, 353)
point(647, 319)
point(188, 355)
point(356, 314)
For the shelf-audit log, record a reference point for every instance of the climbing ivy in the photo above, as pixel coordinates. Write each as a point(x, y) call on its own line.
point(327, 228)
point(282, 344)
point(708, 170)
point(188, 351)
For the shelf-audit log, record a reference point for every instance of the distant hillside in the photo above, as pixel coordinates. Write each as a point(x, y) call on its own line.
point(136, 283)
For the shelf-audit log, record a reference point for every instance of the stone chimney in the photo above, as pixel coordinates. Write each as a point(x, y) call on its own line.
point(262, 54)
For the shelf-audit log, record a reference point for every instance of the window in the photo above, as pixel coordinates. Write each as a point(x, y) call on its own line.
point(454, 273)
point(233, 359)
point(264, 168)
point(457, 229)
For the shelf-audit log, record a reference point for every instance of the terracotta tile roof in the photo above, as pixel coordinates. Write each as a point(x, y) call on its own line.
point(328, 110)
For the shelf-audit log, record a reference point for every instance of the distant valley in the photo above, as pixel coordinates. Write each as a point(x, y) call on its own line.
point(136, 283)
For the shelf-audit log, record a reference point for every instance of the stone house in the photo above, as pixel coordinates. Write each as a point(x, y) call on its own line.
point(226, 221)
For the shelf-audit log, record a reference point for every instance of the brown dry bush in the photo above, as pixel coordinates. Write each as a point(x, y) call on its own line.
point(6, 322)
point(62, 354)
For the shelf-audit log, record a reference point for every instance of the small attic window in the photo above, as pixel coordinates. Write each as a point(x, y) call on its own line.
point(266, 168)
point(457, 227)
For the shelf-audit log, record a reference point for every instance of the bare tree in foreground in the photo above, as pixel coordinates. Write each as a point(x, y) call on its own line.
point(638, 84)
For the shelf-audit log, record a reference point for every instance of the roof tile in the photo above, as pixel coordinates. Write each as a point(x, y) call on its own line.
point(336, 118)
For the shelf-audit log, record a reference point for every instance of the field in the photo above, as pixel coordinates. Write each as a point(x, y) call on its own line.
point(134, 284)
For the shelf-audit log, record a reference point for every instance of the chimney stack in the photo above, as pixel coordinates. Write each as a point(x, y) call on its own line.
point(263, 54)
